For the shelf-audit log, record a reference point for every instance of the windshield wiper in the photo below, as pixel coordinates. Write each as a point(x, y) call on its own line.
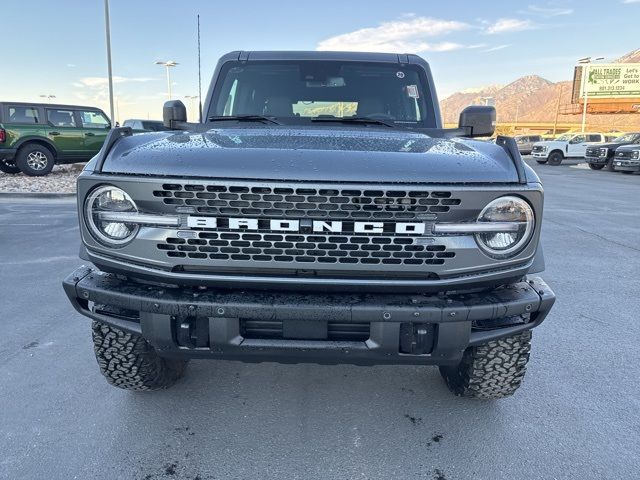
point(362, 120)
point(245, 118)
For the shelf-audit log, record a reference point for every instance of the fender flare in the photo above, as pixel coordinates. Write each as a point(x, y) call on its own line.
point(37, 139)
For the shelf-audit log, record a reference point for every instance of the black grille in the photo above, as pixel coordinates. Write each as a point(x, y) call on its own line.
point(538, 149)
point(624, 155)
point(593, 151)
point(327, 249)
point(335, 331)
point(281, 202)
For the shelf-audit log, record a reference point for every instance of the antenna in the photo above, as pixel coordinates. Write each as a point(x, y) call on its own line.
point(199, 75)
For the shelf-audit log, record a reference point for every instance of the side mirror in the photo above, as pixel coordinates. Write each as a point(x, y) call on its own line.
point(173, 112)
point(478, 120)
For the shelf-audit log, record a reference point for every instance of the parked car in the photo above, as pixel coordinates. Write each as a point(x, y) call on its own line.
point(525, 143)
point(599, 156)
point(35, 136)
point(364, 236)
point(627, 159)
point(569, 145)
point(138, 125)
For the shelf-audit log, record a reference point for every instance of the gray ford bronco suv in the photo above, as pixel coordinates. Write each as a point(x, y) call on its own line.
point(318, 213)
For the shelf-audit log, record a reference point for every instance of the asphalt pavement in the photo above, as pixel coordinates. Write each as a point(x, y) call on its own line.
point(575, 417)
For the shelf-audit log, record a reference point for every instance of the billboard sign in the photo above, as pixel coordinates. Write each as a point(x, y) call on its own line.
point(611, 80)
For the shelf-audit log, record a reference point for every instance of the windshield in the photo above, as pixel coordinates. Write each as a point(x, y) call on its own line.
point(626, 138)
point(565, 138)
point(297, 92)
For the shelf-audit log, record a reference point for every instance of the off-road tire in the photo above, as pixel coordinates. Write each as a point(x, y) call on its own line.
point(596, 166)
point(9, 166)
point(27, 165)
point(555, 158)
point(127, 361)
point(492, 370)
point(541, 162)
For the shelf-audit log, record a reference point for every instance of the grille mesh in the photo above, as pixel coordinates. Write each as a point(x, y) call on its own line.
point(327, 249)
point(538, 149)
point(281, 202)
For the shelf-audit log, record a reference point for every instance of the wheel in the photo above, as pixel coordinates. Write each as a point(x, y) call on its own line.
point(596, 166)
point(541, 162)
point(493, 370)
point(127, 361)
point(9, 166)
point(555, 158)
point(610, 165)
point(35, 160)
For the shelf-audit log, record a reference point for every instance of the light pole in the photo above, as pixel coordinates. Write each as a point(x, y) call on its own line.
point(191, 99)
point(586, 61)
point(48, 97)
point(107, 28)
point(168, 64)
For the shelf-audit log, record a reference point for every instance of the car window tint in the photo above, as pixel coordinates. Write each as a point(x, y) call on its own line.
point(61, 118)
point(93, 120)
point(593, 138)
point(20, 114)
point(578, 139)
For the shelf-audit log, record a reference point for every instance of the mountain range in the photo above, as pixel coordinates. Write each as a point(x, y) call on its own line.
point(534, 99)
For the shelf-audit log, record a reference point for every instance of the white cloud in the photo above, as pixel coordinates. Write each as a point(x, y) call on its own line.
point(497, 47)
point(505, 25)
point(630, 1)
point(406, 35)
point(98, 82)
point(548, 11)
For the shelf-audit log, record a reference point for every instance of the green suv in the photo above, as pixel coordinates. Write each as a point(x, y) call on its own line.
point(34, 136)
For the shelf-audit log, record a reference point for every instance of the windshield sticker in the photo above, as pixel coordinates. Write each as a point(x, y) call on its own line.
point(400, 74)
point(412, 91)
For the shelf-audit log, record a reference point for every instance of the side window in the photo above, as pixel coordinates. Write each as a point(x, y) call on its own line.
point(61, 118)
point(594, 138)
point(20, 114)
point(578, 139)
point(92, 119)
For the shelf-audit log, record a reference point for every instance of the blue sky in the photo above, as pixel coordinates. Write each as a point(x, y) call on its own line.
point(59, 47)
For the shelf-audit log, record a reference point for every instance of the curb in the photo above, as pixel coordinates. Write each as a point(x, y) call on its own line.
point(24, 195)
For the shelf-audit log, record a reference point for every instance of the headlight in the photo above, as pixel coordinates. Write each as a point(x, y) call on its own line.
point(635, 155)
point(604, 152)
point(100, 204)
point(507, 209)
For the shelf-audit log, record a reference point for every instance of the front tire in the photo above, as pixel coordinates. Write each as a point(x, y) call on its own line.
point(129, 362)
point(541, 162)
point(555, 158)
point(492, 370)
point(596, 166)
point(35, 160)
point(9, 166)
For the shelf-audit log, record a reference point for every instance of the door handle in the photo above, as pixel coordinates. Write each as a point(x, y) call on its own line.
point(54, 133)
point(89, 134)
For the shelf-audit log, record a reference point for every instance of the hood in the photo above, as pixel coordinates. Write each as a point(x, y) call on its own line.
point(359, 154)
point(615, 146)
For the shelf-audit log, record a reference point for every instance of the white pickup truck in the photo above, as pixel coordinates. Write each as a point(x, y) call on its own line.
point(569, 145)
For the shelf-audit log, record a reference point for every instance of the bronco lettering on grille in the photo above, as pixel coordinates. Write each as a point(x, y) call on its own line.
point(315, 226)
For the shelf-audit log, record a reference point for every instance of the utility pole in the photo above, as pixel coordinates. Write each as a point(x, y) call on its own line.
point(555, 122)
point(107, 27)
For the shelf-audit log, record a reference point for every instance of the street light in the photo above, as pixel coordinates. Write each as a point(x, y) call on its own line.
point(191, 99)
point(585, 75)
point(48, 97)
point(168, 64)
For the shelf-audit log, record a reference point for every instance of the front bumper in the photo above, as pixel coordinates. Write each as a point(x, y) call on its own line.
point(626, 165)
point(8, 153)
point(540, 154)
point(596, 160)
point(400, 328)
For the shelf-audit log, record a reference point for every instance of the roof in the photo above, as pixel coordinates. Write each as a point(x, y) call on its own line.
point(49, 105)
point(325, 55)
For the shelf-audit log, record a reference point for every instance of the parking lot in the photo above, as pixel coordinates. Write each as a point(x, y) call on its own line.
point(576, 416)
